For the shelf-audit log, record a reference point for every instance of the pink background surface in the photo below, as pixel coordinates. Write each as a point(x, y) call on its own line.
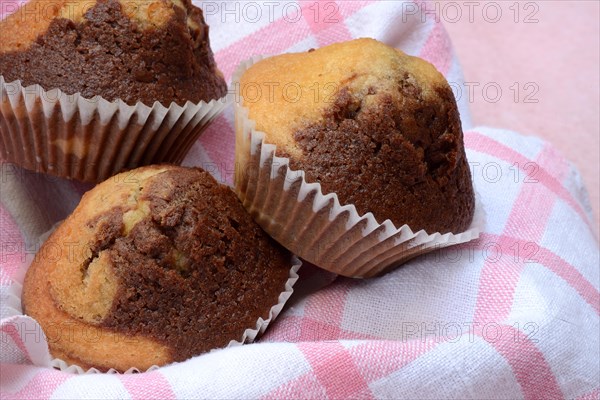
point(559, 53)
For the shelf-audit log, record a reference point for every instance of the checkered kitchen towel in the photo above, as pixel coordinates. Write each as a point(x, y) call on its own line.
point(512, 315)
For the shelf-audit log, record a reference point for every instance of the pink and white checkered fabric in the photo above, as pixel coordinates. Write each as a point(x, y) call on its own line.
point(512, 315)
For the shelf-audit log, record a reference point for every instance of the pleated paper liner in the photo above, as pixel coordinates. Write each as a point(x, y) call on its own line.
point(38, 349)
point(317, 227)
point(93, 139)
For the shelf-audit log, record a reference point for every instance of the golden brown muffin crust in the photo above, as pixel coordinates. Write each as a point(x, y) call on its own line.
point(32, 19)
point(286, 92)
point(170, 260)
point(377, 127)
point(141, 50)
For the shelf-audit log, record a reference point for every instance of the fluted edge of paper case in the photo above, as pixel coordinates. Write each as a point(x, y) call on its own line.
point(92, 139)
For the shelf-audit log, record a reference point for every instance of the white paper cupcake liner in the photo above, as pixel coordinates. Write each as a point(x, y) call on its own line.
point(39, 353)
point(317, 227)
point(93, 139)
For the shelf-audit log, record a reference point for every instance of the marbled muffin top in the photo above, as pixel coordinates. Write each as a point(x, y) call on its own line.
point(161, 263)
point(370, 123)
point(135, 50)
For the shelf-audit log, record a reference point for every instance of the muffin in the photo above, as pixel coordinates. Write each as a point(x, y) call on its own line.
point(116, 84)
point(136, 51)
point(364, 121)
point(155, 266)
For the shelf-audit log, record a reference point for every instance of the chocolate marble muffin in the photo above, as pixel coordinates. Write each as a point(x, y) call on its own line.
point(154, 266)
point(379, 128)
point(151, 54)
point(134, 50)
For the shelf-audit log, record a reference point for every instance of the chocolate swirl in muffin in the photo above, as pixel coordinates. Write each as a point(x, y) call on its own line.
point(379, 128)
point(141, 50)
point(161, 265)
